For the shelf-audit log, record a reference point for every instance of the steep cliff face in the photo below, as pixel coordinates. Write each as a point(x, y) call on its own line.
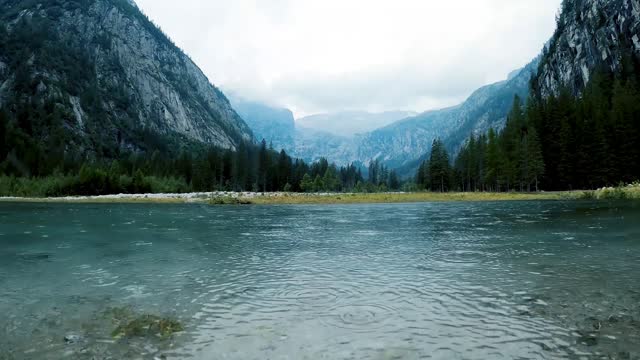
point(111, 75)
point(591, 34)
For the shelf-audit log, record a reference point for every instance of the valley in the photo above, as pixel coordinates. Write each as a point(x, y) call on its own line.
point(319, 180)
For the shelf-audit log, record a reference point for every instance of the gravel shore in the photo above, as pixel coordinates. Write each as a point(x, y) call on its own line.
point(196, 197)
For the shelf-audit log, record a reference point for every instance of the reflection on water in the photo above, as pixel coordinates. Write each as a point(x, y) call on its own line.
point(526, 280)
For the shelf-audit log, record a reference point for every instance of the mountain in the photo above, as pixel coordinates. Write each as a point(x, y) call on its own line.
point(403, 144)
point(273, 124)
point(350, 123)
point(311, 145)
point(101, 78)
point(276, 125)
point(590, 35)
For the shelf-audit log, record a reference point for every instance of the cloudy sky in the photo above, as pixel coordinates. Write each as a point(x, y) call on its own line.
point(329, 55)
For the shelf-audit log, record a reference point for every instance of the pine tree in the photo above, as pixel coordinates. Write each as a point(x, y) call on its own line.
point(203, 178)
point(374, 172)
point(493, 161)
point(263, 166)
point(532, 165)
point(566, 140)
point(241, 166)
point(330, 181)
point(439, 167)
point(283, 170)
point(318, 185)
point(184, 167)
point(624, 109)
point(4, 122)
point(306, 184)
point(394, 180)
point(421, 179)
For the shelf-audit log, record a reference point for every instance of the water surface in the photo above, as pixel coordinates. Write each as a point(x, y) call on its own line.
point(522, 280)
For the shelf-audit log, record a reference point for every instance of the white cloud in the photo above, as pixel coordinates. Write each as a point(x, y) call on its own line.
point(328, 55)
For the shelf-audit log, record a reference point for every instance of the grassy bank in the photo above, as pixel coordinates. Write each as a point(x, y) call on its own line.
point(373, 198)
point(623, 192)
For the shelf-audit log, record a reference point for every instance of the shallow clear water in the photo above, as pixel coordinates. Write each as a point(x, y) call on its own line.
point(524, 280)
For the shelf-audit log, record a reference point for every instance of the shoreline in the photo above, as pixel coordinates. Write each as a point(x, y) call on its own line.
point(629, 192)
point(281, 198)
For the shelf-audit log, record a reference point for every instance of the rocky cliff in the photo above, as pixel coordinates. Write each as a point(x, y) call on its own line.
point(112, 77)
point(590, 34)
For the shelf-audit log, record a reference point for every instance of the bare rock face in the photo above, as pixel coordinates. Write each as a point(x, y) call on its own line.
point(590, 34)
point(139, 79)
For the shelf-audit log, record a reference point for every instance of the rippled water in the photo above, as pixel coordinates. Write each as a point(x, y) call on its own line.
point(526, 280)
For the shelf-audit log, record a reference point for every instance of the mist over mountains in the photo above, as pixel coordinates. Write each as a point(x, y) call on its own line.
point(398, 139)
point(351, 123)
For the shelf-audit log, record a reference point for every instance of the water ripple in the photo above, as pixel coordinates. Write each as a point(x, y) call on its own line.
point(359, 317)
point(412, 281)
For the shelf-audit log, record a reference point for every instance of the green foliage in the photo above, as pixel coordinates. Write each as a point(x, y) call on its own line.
point(148, 325)
point(287, 187)
point(381, 178)
point(621, 192)
point(330, 180)
point(318, 185)
point(228, 200)
point(435, 173)
point(307, 183)
point(591, 141)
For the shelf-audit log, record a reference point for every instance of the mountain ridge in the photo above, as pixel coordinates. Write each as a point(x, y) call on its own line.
point(113, 75)
point(403, 143)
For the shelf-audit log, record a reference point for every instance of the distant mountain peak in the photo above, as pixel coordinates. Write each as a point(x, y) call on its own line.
point(352, 122)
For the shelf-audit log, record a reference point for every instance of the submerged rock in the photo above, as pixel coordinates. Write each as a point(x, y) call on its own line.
point(148, 325)
point(34, 256)
point(73, 339)
point(588, 339)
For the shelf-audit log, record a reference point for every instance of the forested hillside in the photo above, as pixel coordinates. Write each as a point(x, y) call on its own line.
point(579, 129)
point(94, 80)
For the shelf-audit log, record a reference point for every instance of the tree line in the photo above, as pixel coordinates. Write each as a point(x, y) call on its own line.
point(561, 142)
point(250, 167)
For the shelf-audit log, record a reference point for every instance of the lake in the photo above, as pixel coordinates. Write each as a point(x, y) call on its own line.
point(510, 280)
